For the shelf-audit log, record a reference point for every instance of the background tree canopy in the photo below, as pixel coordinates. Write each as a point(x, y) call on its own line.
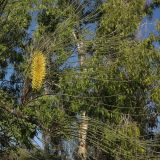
point(77, 82)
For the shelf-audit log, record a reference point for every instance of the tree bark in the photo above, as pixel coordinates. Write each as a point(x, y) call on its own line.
point(82, 133)
point(46, 142)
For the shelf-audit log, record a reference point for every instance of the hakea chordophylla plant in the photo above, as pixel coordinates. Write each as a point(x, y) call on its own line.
point(38, 69)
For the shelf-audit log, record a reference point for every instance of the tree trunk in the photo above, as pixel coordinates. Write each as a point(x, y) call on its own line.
point(82, 133)
point(82, 148)
point(45, 134)
point(46, 142)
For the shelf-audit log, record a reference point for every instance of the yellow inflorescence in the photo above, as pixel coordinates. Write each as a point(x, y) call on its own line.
point(38, 69)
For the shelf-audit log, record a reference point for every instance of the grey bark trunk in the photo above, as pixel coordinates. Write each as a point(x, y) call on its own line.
point(82, 133)
point(45, 135)
point(46, 142)
point(82, 148)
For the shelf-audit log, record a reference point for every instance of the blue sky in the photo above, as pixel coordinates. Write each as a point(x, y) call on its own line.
point(148, 26)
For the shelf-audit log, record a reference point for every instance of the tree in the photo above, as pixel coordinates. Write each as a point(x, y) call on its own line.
point(114, 38)
point(13, 35)
point(93, 64)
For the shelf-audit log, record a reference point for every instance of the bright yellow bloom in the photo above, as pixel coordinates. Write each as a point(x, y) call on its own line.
point(38, 70)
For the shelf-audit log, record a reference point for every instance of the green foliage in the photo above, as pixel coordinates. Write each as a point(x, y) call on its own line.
point(122, 17)
point(125, 142)
point(116, 74)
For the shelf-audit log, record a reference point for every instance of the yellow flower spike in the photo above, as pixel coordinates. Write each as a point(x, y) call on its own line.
point(38, 70)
